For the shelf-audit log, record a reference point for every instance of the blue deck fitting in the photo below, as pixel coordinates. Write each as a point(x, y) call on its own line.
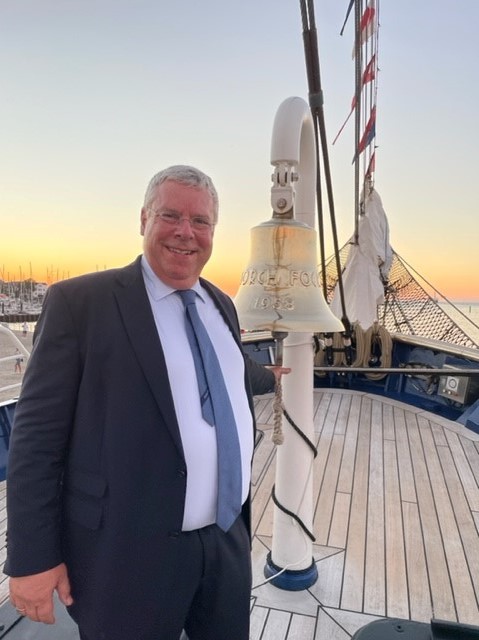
point(288, 579)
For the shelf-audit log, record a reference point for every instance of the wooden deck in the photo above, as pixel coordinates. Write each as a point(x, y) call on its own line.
point(396, 521)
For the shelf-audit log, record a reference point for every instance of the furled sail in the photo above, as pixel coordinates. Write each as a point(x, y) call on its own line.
point(367, 266)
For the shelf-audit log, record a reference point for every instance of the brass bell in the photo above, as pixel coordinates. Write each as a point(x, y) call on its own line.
point(280, 289)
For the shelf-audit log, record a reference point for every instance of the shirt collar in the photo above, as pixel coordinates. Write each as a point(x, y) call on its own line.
point(157, 288)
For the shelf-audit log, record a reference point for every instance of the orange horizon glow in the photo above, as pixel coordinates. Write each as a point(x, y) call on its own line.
point(463, 288)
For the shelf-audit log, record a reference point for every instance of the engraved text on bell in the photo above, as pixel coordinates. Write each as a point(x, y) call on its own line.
point(280, 278)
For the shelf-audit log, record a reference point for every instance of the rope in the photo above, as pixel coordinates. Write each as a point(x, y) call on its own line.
point(278, 438)
point(376, 338)
point(337, 343)
point(377, 335)
point(300, 433)
point(362, 348)
point(292, 515)
point(339, 356)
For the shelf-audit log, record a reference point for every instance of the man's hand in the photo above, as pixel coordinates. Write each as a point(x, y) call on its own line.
point(278, 370)
point(32, 596)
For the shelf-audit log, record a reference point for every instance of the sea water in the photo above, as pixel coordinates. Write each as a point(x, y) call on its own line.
point(466, 315)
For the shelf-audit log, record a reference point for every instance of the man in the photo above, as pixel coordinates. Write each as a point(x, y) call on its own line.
point(18, 362)
point(112, 476)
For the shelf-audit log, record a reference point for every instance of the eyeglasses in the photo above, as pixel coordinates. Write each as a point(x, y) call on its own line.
point(174, 219)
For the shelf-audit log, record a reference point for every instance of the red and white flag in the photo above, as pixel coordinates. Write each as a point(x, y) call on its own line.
point(368, 135)
point(367, 25)
point(369, 74)
point(372, 165)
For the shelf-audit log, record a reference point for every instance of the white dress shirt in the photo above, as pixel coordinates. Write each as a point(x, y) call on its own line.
point(198, 437)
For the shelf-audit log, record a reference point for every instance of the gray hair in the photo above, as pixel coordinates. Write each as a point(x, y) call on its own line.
point(183, 174)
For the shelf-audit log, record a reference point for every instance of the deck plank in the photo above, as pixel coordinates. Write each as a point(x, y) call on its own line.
point(257, 622)
point(389, 432)
point(352, 596)
point(417, 575)
point(375, 577)
point(301, 627)
point(396, 601)
point(263, 408)
point(262, 506)
point(346, 476)
point(339, 521)
point(461, 462)
point(466, 533)
point(325, 504)
point(325, 423)
point(276, 625)
point(442, 595)
point(321, 410)
point(472, 455)
point(406, 476)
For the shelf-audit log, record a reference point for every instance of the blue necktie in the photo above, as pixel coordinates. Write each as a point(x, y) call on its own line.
point(216, 409)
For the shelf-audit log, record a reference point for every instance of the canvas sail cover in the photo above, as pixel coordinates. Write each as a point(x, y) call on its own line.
point(367, 266)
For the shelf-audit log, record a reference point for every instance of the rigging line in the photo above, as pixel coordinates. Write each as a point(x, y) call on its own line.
point(373, 92)
point(357, 115)
point(317, 111)
point(438, 292)
point(315, 98)
point(311, 55)
point(319, 200)
point(311, 52)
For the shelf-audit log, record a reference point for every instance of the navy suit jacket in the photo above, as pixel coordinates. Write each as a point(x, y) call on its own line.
point(96, 473)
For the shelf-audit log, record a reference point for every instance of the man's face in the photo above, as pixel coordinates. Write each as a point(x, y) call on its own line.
point(177, 253)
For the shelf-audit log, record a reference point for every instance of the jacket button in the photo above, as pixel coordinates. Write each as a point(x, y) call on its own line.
point(174, 534)
point(182, 473)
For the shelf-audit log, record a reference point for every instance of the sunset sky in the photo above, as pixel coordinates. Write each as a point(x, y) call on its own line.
point(98, 95)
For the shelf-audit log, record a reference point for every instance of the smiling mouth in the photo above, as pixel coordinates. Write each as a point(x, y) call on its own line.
point(181, 252)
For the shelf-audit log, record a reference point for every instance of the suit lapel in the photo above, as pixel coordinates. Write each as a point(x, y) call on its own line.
point(139, 323)
point(226, 312)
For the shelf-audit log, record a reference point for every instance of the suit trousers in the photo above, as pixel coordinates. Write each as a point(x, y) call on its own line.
point(210, 598)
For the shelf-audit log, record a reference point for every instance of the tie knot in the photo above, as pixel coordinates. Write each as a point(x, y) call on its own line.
point(188, 296)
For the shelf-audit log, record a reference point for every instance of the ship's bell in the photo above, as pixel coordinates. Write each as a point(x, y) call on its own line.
point(280, 289)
